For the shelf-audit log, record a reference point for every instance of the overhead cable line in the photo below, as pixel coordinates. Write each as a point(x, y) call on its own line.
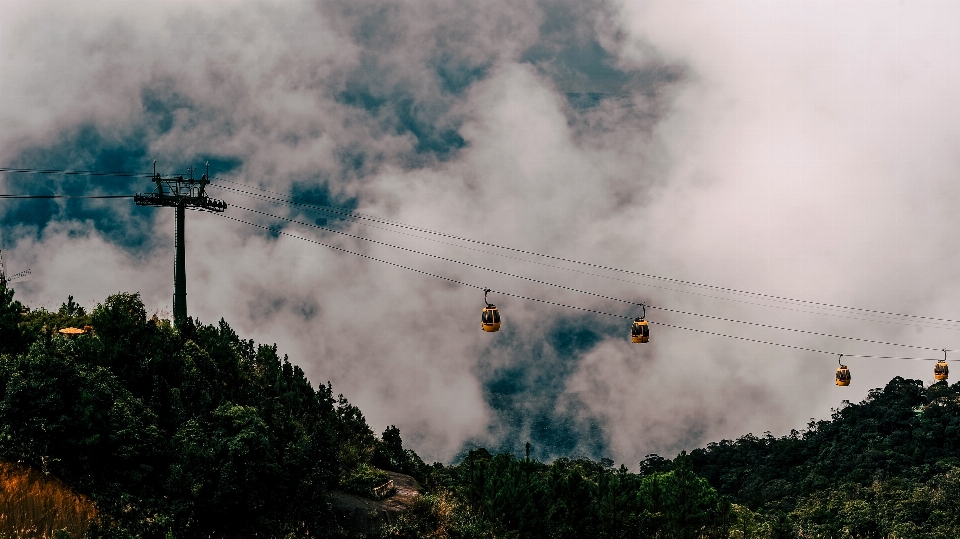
point(789, 345)
point(356, 215)
point(456, 281)
point(77, 172)
point(64, 196)
point(417, 270)
point(317, 210)
point(599, 266)
point(531, 279)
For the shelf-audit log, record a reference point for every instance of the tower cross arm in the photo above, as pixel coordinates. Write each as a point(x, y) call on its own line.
point(183, 194)
point(210, 204)
point(180, 191)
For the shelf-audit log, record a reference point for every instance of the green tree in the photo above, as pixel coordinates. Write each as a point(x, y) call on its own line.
point(745, 524)
point(71, 309)
point(389, 454)
point(13, 340)
point(679, 503)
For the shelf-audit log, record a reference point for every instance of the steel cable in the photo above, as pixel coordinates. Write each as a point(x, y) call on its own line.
point(730, 290)
point(311, 209)
point(755, 324)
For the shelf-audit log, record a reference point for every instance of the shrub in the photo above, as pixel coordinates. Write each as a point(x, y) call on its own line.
point(363, 479)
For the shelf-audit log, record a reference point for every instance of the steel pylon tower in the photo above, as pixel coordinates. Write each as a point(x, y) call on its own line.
point(182, 194)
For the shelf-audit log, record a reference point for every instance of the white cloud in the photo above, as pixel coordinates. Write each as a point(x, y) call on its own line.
point(800, 149)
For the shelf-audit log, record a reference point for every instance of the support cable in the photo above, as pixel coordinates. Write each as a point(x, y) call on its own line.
point(314, 210)
point(76, 172)
point(357, 215)
point(62, 196)
point(448, 279)
point(755, 324)
point(730, 290)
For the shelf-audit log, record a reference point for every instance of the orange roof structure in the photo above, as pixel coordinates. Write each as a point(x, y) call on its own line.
point(72, 331)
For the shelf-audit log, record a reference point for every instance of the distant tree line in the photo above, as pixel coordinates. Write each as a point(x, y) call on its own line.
point(888, 467)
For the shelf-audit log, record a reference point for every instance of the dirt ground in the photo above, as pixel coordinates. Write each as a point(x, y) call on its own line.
point(356, 514)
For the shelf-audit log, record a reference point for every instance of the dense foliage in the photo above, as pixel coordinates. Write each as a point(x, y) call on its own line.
point(198, 433)
point(886, 467)
point(190, 433)
point(507, 497)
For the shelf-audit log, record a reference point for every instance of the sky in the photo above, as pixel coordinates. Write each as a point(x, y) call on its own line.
point(800, 150)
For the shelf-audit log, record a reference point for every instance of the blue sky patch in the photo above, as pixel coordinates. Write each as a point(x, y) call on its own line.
point(86, 148)
point(527, 396)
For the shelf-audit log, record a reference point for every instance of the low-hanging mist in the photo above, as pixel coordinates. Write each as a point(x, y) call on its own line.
point(795, 149)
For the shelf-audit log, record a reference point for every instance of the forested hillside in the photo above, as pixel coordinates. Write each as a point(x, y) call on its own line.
point(192, 433)
point(886, 467)
point(197, 432)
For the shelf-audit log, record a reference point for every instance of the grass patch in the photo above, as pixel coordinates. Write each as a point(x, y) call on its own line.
point(34, 505)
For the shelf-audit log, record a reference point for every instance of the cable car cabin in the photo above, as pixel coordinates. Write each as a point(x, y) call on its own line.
point(843, 376)
point(640, 332)
point(491, 318)
point(941, 371)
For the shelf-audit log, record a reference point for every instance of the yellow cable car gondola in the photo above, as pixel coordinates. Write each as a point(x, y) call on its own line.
point(843, 374)
point(490, 320)
point(640, 331)
point(941, 371)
